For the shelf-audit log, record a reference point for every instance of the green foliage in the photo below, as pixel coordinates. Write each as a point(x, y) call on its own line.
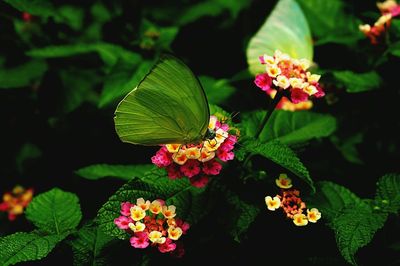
point(355, 228)
point(217, 91)
point(28, 151)
point(347, 146)
point(125, 172)
point(289, 127)
point(280, 154)
point(332, 199)
point(23, 75)
point(42, 8)
point(89, 245)
point(123, 77)
point(20, 247)
point(388, 193)
point(55, 211)
point(358, 82)
point(154, 185)
point(286, 29)
point(109, 53)
point(325, 25)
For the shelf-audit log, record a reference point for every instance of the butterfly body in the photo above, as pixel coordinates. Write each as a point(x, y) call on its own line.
point(168, 106)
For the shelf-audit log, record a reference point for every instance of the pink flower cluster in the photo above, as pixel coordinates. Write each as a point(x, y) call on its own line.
point(154, 224)
point(290, 75)
point(198, 161)
point(389, 9)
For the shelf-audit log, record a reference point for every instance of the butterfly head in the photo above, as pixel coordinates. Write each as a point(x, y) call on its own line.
point(210, 134)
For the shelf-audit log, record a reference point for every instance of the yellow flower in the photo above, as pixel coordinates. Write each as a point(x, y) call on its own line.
point(279, 56)
point(17, 209)
point(273, 71)
point(172, 148)
point(386, 5)
point(269, 60)
point(283, 181)
point(282, 82)
point(300, 219)
point(169, 212)
point(138, 227)
point(221, 135)
point(180, 157)
point(211, 144)
point(312, 78)
point(143, 204)
point(206, 155)
point(213, 121)
point(272, 203)
point(171, 222)
point(155, 207)
point(304, 64)
point(156, 237)
point(137, 213)
point(310, 90)
point(192, 153)
point(174, 233)
point(296, 82)
point(383, 20)
point(313, 215)
point(364, 28)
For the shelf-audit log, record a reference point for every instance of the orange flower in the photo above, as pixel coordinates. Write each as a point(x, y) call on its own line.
point(16, 201)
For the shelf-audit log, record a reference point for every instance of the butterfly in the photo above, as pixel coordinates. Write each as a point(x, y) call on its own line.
point(168, 106)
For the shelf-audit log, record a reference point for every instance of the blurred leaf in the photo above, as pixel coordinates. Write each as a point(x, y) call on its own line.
point(126, 172)
point(55, 211)
point(211, 8)
point(358, 82)
point(156, 37)
point(388, 193)
point(78, 87)
point(286, 29)
point(219, 112)
point(348, 147)
point(332, 199)
point(20, 247)
point(122, 79)
point(154, 185)
point(43, 8)
point(279, 154)
point(355, 228)
point(217, 91)
point(325, 25)
point(109, 53)
point(70, 15)
point(88, 246)
point(289, 127)
point(22, 75)
point(28, 151)
point(394, 49)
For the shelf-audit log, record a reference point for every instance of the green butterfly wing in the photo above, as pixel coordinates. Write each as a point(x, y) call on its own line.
point(168, 106)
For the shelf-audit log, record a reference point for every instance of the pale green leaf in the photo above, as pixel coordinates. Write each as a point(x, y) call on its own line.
point(125, 172)
point(23, 75)
point(20, 247)
point(217, 91)
point(355, 228)
point(357, 82)
point(388, 193)
point(55, 211)
point(289, 127)
point(286, 29)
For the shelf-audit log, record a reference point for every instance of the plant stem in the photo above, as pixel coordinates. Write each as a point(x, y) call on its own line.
point(264, 122)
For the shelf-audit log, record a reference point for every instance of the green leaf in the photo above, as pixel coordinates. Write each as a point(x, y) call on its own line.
point(20, 247)
point(394, 49)
point(280, 154)
point(122, 79)
point(70, 15)
point(55, 211)
point(22, 75)
point(125, 172)
point(325, 25)
point(217, 91)
point(289, 127)
point(358, 82)
point(355, 228)
point(348, 147)
point(286, 29)
point(89, 246)
point(388, 193)
point(154, 185)
point(109, 53)
point(332, 199)
point(43, 8)
point(28, 151)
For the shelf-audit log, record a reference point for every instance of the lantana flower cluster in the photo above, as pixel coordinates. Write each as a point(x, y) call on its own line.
point(198, 161)
point(152, 224)
point(389, 9)
point(290, 202)
point(284, 73)
point(15, 201)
